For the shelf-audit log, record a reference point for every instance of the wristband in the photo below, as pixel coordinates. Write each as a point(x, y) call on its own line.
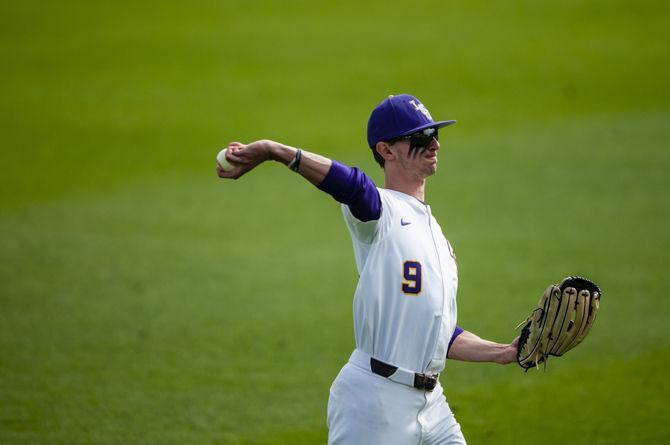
point(295, 163)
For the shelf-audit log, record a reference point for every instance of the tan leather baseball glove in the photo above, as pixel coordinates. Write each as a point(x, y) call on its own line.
point(563, 317)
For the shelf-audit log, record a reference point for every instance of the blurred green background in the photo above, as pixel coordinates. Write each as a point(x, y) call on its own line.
point(145, 301)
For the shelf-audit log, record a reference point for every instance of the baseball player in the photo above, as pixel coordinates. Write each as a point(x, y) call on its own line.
point(405, 301)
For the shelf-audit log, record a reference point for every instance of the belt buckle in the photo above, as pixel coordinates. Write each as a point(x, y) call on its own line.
point(424, 381)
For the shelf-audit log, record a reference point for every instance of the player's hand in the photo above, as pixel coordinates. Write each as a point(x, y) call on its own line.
point(508, 354)
point(244, 158)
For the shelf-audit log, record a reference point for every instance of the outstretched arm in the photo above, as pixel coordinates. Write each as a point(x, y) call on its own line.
point(471, 348)
point(245, 157)
point(347, 185)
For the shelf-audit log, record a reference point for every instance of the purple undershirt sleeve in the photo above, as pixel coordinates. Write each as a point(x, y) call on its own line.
point(458, 331)
point(354, 188)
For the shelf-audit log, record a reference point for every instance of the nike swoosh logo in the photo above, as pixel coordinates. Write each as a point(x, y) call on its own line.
point(404, 223)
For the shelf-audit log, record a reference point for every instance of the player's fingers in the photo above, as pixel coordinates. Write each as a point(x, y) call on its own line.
point(234, 157)
point(228, 174)
point(235, 148)
point(238, 155)
point(233, 173)
point(221, 173)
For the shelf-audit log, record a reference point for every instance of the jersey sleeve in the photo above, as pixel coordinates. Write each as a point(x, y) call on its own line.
point(366, 208)
point(352, 187)
point(457, 331)
point(369, 231)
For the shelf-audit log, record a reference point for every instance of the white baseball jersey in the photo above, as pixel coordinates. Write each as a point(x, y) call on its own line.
point(405, 301)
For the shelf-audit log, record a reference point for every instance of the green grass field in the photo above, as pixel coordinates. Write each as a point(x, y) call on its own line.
point(144, 301)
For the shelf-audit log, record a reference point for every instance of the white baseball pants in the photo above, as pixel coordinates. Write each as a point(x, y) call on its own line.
point(367, 409)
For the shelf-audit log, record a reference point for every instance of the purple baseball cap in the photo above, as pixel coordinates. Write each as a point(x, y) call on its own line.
point(398, 116)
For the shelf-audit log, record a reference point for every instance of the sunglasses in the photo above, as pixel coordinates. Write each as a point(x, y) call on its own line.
point(418, 141)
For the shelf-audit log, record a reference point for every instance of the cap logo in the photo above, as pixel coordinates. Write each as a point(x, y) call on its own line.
point(422, 108)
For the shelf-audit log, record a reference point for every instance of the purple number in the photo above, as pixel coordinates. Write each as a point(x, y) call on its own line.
point(412, 274)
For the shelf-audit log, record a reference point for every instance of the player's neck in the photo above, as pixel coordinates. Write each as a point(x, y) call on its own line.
point(409, 185)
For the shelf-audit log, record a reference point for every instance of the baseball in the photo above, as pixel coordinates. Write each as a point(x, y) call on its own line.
point(222, 161)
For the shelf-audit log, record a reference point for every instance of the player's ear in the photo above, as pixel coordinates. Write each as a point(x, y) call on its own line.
point(384, 150)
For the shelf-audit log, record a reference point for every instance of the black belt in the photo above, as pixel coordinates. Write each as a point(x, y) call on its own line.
point(424, 382)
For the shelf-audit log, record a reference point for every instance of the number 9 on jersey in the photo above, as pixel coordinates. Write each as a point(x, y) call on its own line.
point(411, 272)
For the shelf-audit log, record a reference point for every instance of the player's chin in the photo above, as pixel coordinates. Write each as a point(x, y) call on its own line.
point(431, 166)
point(429, 172)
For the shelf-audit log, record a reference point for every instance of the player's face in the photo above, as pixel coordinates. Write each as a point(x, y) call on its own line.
point(418, 153)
